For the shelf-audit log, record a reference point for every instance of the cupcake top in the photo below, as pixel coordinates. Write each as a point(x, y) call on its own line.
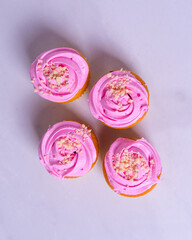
point(67, 150)
point(132, 166)
point(57, 75)
point(119, 99)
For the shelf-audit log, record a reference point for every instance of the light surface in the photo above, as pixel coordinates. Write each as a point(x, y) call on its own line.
point(150, 38)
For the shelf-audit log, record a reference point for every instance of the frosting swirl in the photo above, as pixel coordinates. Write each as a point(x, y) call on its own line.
point(58, 74)
point(119, 99)
point(67, 150)
point(132, 166)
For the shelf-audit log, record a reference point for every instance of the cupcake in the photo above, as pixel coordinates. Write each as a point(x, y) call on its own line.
point(60, 75)
point(68, 149)
point(132, 168)
point(119, 99)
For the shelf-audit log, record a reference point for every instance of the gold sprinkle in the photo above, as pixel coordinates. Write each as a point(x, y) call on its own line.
point(109, 75)
point(152, 161)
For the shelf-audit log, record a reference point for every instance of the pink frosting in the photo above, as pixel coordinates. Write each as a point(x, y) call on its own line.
point(58, 74)
point(67, 150)
point(132, 167)
point(118, 99)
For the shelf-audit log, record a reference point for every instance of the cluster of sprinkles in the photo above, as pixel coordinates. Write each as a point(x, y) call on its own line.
point(39, 63)
point(129, 163)
point(58, 76)
point(67, 148)
point(118, 88)
point(83, 131)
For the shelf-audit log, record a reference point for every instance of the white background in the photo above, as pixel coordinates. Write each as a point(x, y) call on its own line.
point(151, 38)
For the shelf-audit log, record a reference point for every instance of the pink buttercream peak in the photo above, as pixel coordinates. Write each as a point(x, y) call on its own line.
point(59, 74)
point(134, 164)
point(64, 152)
point(118, 99)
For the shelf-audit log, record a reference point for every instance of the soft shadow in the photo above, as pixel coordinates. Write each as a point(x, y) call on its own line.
point(38, 114)
point(108, 135)
point(51, 113)
point(36, 38)
point(102, 62)
point(40, 38)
